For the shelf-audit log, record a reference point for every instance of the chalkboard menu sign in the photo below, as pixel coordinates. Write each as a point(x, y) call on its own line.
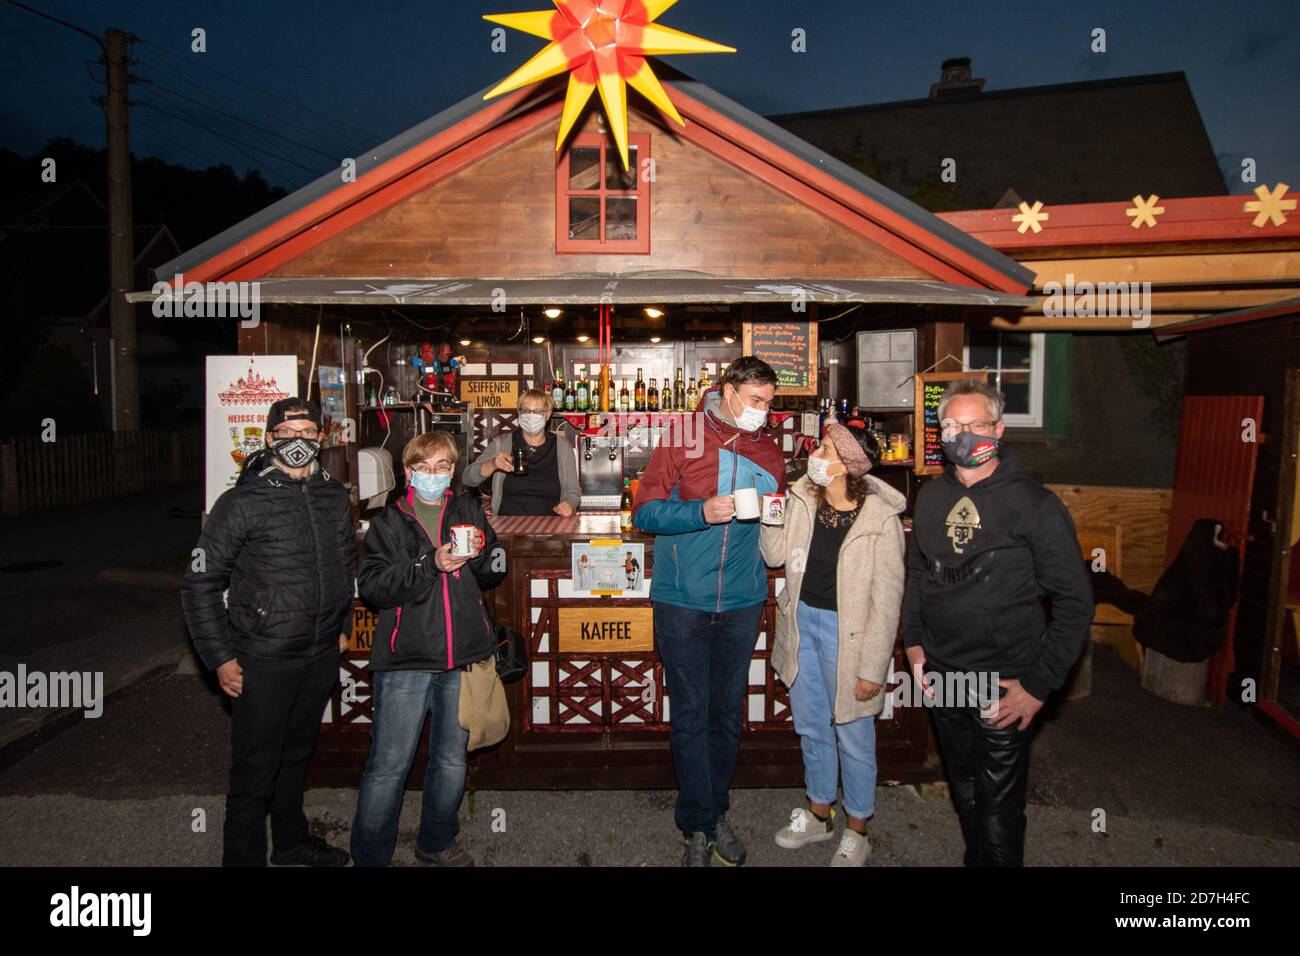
point(930, 387)
point(790, 348)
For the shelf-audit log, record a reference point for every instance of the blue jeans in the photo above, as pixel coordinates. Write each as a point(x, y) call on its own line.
point(829, 747)
point(401, 699)
point(706, 667)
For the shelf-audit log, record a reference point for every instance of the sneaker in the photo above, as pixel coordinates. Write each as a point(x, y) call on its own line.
point(453, 857)
point(853, 850)
point(804, 828)
point(313, 851)
point(697, 850)
point(727, 847)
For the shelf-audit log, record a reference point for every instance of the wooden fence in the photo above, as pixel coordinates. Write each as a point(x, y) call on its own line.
point(78, 469)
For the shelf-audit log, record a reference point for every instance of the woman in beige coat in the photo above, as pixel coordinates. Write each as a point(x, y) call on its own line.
point(837, 618)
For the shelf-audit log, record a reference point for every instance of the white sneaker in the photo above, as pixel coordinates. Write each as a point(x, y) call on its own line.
point(804, 828)
point(853, 850)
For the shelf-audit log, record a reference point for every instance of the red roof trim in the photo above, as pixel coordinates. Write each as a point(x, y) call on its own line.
point(1198, 219)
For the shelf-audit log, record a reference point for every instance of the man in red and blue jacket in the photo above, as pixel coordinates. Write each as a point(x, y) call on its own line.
point(708, 589)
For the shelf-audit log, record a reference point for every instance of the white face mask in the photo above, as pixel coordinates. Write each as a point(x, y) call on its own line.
point(750, 419)
point(532, 422)
point(819, 472)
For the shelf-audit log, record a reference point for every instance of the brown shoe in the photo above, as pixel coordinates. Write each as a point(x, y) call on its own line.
point(453, 857)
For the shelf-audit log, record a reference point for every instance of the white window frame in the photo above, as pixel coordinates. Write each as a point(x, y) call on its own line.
point(1037, 361)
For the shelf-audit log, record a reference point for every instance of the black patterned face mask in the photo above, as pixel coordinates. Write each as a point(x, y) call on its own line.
point(296, 452)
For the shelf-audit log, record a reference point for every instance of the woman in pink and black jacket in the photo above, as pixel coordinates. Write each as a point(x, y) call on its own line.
point(432, 623)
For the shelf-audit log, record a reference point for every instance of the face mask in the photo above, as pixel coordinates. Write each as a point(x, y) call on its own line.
point(296, 452)
point(819, 472)
point(969, 450)
point(430, 487)
point(749, 419)
point(532, 422)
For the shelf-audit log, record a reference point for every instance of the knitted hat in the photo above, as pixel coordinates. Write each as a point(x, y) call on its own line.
point(846, 446)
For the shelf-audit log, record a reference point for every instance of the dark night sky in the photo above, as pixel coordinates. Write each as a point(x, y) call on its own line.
point(374, 69)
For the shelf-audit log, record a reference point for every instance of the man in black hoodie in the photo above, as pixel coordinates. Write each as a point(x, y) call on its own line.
point(283, 541)
point(989, 546)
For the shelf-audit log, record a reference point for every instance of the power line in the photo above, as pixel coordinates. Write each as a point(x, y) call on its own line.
point(233, 142)
point(216, 99)
point(62, 23)
point(234, 79)
point(239, 119)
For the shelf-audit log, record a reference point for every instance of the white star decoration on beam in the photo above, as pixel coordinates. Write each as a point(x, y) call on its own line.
point(1144, 211)
point(1031, 217)
point(1270, 205)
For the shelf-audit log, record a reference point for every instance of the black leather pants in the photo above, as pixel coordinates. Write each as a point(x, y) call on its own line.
point(987, 772)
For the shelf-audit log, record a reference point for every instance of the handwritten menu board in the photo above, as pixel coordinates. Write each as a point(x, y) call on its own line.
point(790, 348)
point(930, 387)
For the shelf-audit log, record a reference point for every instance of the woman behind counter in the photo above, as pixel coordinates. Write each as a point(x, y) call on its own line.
point(551, 485)
point(842, 544)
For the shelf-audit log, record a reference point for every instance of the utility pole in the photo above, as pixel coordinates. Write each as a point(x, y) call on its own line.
point(121, 248)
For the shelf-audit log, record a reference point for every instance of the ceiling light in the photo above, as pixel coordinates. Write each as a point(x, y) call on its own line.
point(655, 339)
point(464, 341)
point(552, 312)
point(584, 338)
point(539, 339)
point(729, 340)
point(654, 313)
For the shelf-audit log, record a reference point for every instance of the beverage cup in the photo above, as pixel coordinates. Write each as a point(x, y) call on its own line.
point(774, 509)
point(462, 540)
point(746, 504)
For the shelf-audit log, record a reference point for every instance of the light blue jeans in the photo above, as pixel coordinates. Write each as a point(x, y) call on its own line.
point(830, 748)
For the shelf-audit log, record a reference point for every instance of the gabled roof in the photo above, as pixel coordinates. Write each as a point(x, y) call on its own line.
point(950, 254)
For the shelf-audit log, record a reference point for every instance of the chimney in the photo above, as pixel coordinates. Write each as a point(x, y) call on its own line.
point(954, 77)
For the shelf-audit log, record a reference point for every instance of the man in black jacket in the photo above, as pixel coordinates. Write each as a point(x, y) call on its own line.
point(283, 541)
point(989, 543)
point(432, 624)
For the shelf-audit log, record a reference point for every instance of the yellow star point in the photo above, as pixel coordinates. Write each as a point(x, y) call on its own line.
point(603, 45)
point(1144, 211)
point(1030, 217)
point(1270, 205)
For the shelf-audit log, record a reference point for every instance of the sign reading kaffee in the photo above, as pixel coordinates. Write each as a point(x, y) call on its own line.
point(586, 630)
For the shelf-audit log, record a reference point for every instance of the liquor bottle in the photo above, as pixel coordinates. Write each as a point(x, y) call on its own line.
point(582, 393)
point(557, 391)
point(612, 400)
point(666, 395)
point(679, 394)
point(652, 397)
point(844, 410)
point(692, 396)
point(822, 416)
point(625, 507)
point(624, 398)
point(640, 392)
point(570, 396)
point(704, 380)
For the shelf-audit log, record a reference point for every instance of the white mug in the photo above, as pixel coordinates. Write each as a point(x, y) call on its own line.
point(462, 540)
point(774, 509)
point(746, 504)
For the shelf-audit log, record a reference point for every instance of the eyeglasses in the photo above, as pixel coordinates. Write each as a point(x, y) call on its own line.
point(311, 434)
point(951, 428)
point(441, 468)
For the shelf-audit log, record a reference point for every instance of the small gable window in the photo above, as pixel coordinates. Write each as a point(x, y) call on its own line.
point(598, 206)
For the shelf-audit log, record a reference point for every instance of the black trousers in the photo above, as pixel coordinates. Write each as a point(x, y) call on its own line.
point(988, 770)
point(273, 732)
